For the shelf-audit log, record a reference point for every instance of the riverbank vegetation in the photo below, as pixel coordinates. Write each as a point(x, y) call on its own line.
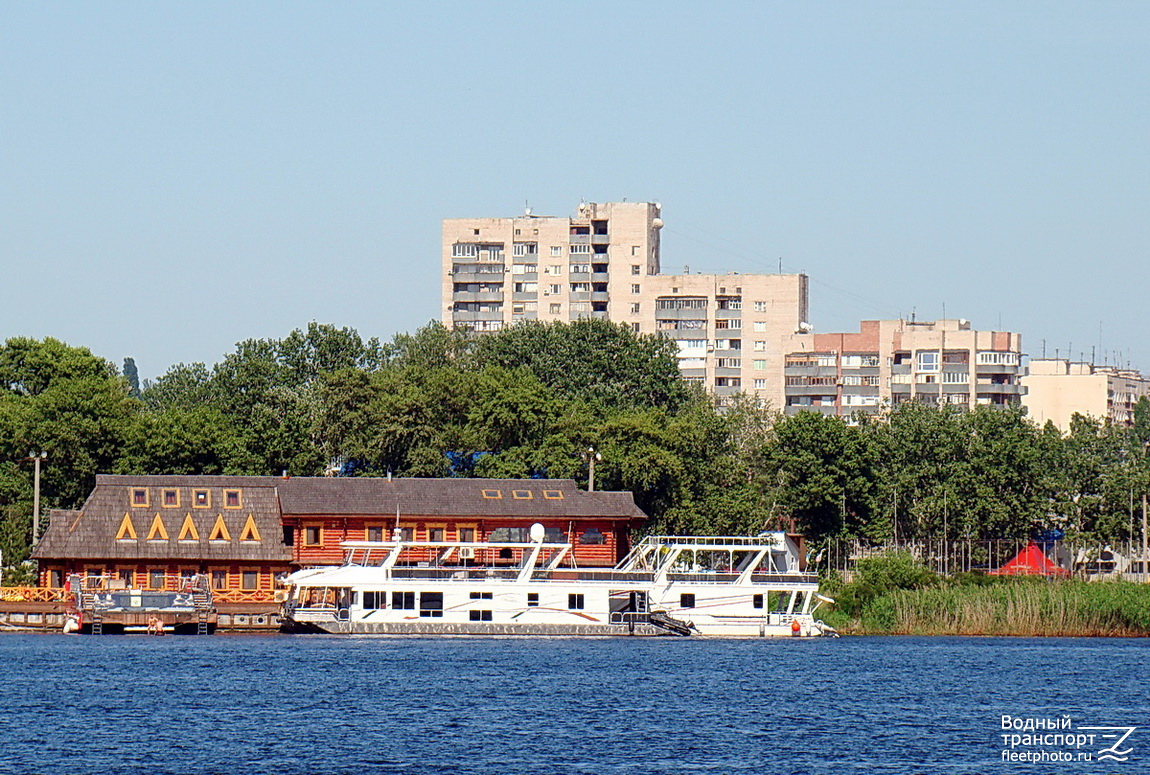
point(530, 401)
point(893, 595)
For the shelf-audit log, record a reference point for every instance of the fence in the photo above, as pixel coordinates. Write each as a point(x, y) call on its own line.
point(1082, 559)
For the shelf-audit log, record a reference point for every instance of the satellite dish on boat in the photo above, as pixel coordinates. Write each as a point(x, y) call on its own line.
point(537, 533)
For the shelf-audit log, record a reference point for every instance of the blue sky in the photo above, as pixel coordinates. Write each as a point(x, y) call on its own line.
point(178, 177)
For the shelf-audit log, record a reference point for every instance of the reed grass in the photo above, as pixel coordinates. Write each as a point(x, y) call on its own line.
point(1023, 608)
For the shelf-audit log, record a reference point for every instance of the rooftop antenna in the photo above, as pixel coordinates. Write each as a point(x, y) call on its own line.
point(780, 264)
point(527, 208)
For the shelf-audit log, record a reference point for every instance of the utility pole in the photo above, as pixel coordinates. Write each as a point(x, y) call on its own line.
point(1144, 569)
point(36, 458)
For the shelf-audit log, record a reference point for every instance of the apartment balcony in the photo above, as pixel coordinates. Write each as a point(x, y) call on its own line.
point(901, 388)
point(860, 390)
point(727, 352)
point(599, 239)
point(810, 390)
point(579, 296)
point(728, 314)
point(810, 371)
point(600, 315)
point(900, 368)
point(477, 277)
point(693, 372)
point(525, 295)
point(464, 316)
point(580, 239)
point(862, 371)
point(480, 296)
point(525, 316)
point(830, 411)
point(600, 277)
point(994, 368)
point(600, 296)
point(727, 390)
point(579, 277)
point(681, 314)
point(725, 371)
point(1002, 390)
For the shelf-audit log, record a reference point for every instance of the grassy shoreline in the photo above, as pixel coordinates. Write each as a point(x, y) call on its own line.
point(892, 595)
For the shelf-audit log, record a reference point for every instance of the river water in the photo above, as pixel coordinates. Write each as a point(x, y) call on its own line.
point(319, 704)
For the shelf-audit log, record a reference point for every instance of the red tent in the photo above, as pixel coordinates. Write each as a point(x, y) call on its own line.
point(1030, 562)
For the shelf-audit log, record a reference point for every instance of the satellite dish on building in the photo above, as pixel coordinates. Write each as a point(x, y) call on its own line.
point(537, 533)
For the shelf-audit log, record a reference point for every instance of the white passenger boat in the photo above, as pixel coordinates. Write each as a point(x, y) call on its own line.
point(715, 586)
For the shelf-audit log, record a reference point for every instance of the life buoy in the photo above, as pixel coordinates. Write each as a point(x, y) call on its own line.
point(795, 627)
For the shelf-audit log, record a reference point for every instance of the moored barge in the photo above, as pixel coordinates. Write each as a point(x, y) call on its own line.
point(693, 585)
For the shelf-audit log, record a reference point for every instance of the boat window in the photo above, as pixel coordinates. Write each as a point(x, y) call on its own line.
point(686, 600)
point(375, 600)
point(480, 616)
point(592, 536)
point(431, 604)
point(532, 599)
point(480, 595)
point(404, 601)
point(757, 601)
point(575, 602)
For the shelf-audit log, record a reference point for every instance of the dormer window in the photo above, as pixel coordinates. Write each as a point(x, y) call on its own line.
point(140, 496)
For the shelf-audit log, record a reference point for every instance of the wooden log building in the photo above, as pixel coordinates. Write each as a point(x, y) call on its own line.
point(245, 531)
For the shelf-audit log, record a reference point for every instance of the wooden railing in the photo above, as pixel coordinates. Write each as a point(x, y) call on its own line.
point(243, 596)
point(31, 594)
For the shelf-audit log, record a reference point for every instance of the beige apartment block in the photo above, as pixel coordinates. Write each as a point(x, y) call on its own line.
point(887, 362)
point(604, 263)
point(1057, 388)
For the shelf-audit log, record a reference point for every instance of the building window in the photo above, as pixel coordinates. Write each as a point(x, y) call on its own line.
point(532, 599)
point(760, 364)
point(467, 534)
point(635, 327)
point(431, 604)
point(635, 308)
point(555, 309)
point(760, 326)
point(635, 269)
point(553, 269)
point(756, 601)
point(553, 495)
point(156, 578)
point(219, 579)
point(556, 250)
point(634, 287)
point(313, 535)
point(202, 499)
point(928, 360)
point(250, 580)
point(140, 496)
point(555, 290)
point(760, 384)
point(232, 499)
point(479, 616)
point(435, 534)
point(509, 535)
point(580, 249)
point(403, 601)
point(760, 306)
point(465, 249)
point(492, 494)
point(575, 602)
point(171, 499)
point(375, 533)
point(522, 495)
point(760, 347)
point(686, 600)
point(592, 536)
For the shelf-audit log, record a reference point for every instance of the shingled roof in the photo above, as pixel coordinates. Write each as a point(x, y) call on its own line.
point(111, 526)
point(512, 498)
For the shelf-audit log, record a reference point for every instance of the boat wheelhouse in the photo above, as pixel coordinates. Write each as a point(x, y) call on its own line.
point(719, 586)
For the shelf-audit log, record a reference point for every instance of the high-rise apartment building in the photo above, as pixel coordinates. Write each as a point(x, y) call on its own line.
point(891, 361)
point(1057, 388)
point(604, 263)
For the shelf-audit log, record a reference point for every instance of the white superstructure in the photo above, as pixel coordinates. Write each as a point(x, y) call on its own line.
point(726, 586)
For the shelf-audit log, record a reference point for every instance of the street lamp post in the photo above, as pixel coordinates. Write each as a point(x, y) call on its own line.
point(36, 458)
point(592, 456)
